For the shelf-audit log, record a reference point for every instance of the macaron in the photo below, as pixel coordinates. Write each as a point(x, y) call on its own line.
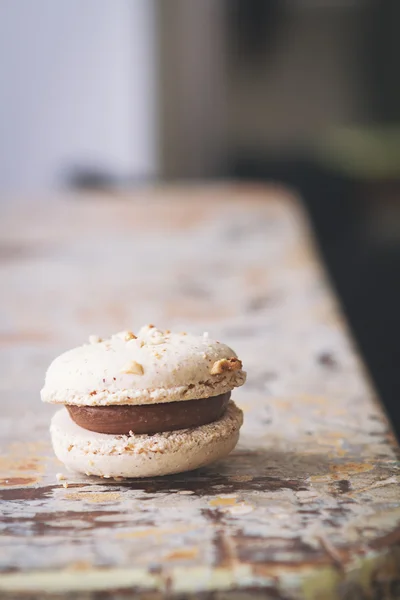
point(144, 405)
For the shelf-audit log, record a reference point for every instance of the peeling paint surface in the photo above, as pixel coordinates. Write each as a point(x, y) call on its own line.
point(308, 505)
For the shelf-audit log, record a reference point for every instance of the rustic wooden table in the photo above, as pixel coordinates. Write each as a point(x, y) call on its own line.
point(308, 506)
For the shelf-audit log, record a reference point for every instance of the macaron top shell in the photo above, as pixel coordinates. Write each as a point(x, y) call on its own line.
point(152, 366)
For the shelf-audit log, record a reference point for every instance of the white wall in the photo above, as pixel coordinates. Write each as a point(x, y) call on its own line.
point(77, 87)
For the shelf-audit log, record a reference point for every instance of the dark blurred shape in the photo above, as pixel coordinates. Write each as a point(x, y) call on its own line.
point(329, 127)
point(253, 27)
point(100, 180)
point(383, 60)
point(91, 179)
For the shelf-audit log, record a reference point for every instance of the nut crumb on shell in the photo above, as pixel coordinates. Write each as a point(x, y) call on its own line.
point(60, 477)
point(130, 336)
point(133, 368)
point(94, 339)
point(226, 364)
point(125, 336)
point(65, 484)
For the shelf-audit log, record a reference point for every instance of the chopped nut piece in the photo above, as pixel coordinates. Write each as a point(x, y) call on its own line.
point(151, 326)
point(226, 364)
point(60, 477)
point(125, 335)
point(167, 331)
point(94, 339)
point(65, 484)
point(142, 343)
point(130, 336)
point(133, 368)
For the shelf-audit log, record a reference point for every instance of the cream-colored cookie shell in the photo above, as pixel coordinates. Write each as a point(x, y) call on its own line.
point(144, 455)
point(155, 367)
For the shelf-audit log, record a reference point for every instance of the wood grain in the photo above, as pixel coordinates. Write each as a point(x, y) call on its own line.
point(308, 506)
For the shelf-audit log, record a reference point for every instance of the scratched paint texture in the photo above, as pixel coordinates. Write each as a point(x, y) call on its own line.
point(308, 506)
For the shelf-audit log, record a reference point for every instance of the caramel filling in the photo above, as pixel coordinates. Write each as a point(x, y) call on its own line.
point(149, 418)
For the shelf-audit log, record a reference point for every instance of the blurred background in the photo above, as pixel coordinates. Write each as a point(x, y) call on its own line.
point(103, 94)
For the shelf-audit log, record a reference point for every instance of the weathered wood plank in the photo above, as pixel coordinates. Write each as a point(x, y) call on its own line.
point(308, 506)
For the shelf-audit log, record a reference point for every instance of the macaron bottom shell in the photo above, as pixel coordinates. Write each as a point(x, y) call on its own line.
point(112, 456)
